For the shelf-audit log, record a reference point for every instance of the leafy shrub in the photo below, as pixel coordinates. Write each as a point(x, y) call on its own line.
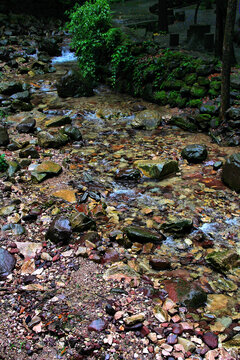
point(3, 163)
point(93, 37)
point(161, 97)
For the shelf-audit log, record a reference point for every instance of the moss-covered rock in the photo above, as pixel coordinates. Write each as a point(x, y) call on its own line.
point(190, 79)
point(209, 108)
point(183, 123)
point(156, 169)
point(185, 90)
point(223, 261)
point(231, 172)
point(161, 97)
point(195, 103)
point(216, 85)
point(195, 153)
point(177, 226)
point(142, 235)
point(173, 84)
point(198, 91)
point(203, 81)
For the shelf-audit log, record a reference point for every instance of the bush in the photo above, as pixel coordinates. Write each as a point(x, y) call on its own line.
point(3, 163)
point(93, 37)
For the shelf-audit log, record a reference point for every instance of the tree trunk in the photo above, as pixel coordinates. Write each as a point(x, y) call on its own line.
point(162, 15)
point(196, 11)
point(227, 57)
point(221, 11)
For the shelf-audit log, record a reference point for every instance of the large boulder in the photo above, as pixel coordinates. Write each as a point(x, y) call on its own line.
point(156, 169)
point(231, 172)
point(73, 85)
point(195, 153)
point(10, 87)
point(7, 263)
point(50, 46)
point(60, 230)
point(147, 119)
point(26, 126)
point(4, 138)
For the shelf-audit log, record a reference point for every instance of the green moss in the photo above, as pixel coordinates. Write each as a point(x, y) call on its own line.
point(216, 85)
point(198, 91)
point(214, 93)
point(190, 79)
point(161, 97)
point(195, 103)
point(203, 81)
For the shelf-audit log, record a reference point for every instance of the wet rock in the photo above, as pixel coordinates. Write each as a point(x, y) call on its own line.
point(159, 263)
point(128, 175)
point(13, 167)
point(142, 235)
point(97, 325)
point(211, 340)
point(177, 226)
point(110, 310)
point(81, 222)
point(4, 138)
point(67, 195)
point(195, 153)
point(58, 121)
point(7, 210)
point(160, 314)
point(209, 108)
point(147, 119)
point(134, 319)
point(26, 126)
point(172, 339)
point(16, 229)
point(233, 343)
point(231, 172)
point(60, 230)
point(73, 133)
point(223, 261)
point(156, 169)
point(7, 263)
point(217, 165)
point(22, 96)
point(73, 85)
point(29, 151)
point(110, 256)
point(10, 87)
point(47, 140)
point(186, 293)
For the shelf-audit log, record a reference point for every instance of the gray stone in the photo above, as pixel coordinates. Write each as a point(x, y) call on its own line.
point(60, 230)
point(26, 126)
point(231, 172)
point(147, 119)
point(195, 153)
point(47, 140)
point(7, 263)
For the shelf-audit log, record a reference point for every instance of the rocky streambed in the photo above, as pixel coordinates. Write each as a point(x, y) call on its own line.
point(119, 238)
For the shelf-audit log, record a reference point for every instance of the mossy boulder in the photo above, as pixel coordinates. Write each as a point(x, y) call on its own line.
point(156, 169)
point(209, 108)
point(147, 119)
point(231, 172)
point(198, 91)
point(183, 123)
point(203, 81)
point(161, 97)
point(216, 85)
point(195, 103)
point(185, 90)
point(173, 84)
point(190, 79)
point(177, 226)
point(223, 261)
point(203, 120)
point(48, 140)
point(195, 153)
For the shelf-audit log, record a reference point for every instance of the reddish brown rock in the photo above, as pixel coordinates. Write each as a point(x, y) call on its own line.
point(160, 263)
point(211, 340)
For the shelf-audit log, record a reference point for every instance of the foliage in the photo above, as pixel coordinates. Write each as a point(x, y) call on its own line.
point(93, 37)
point(3, 163)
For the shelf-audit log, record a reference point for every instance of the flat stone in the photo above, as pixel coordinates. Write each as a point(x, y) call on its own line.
point(97, 325)
point(67, 195)
point(7, 210)
point(58, 121)
point(29, 249)
point(211, 340)
point(177, 226)
point(81, 222)
point(48, 167)
point(219, 304)
point(142, 235)
point(159, 263)
point(160, 314)
point(223, 261)
point(187, 344)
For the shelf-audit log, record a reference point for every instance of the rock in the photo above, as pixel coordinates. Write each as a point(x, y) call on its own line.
point(26, 126)
point(67, 195)
point(50, 46)
point(160, 314)
point(235, 81)
point(209, 108)
point(190, 79)
point(4, 138)
point(217, 165)
point(223, 261)
point(159, 263)
point(178, 226)
point(220, 304)
point(187, 344)
point(231, 172)
point(47, 140)
point(211, 340)
point(60, 230)
point(147, 119)
point(73, 133)
point(11, 87)
point(186, 293)
point(22, 96)
point(134, 319)
point(195, 153)
point(156, 169)
point(110, 256)
point(16, 229)
point(58, 121)
point(48, 167)
point(81, 222)
point(142, 235)
point(233, 343)
point(128, 175)
point(7, 263)
point(182, 122)
point(29, 151)
point(73, 85)
point(13, 167)
point(198, 91)
point(97, 325)
point(119, 271)
point(29, 249)
point(7, 210)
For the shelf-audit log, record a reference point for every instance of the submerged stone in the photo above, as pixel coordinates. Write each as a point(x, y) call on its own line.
point(81, 222)
point(178, 226)
point(128, 175)
point(142, 235)
point(231, 172)
point(156, 169)
point(58, 121)
point(47, 140)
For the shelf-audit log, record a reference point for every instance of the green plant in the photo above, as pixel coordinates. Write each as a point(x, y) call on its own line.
point(93, 37)
point(3, 163)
